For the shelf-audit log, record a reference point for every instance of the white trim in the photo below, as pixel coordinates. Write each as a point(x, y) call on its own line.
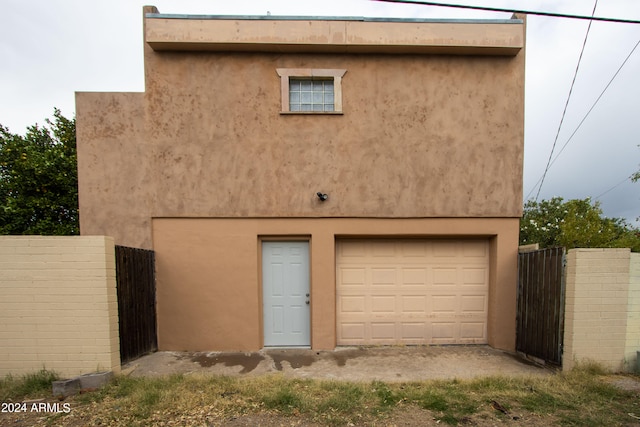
point(286, 73)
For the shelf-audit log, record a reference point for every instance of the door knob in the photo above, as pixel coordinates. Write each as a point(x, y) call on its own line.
point(307, 301)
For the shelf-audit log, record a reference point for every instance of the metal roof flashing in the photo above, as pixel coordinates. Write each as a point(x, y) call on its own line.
point(330, 18)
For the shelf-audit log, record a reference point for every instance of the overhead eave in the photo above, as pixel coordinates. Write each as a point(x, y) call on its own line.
point(333, 35)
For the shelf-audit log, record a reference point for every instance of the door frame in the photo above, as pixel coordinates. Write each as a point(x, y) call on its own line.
point(283, 238)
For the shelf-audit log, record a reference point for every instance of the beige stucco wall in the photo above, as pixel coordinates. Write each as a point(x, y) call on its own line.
point(203, 164)
point(633, 315)
point(58, 308)
point(596, 307)
point(421, 136)
point(209, 279)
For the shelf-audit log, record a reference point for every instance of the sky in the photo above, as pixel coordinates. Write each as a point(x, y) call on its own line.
point(50, 49)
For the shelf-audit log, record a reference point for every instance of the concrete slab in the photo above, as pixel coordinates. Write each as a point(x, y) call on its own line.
point(392, 364)
point(65, 388)
point(95, 380)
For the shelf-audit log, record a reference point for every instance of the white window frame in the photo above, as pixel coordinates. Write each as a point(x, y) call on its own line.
point(320, 73)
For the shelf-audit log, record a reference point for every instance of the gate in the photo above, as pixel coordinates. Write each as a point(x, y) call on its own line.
point(540, 310)
point(136, 284)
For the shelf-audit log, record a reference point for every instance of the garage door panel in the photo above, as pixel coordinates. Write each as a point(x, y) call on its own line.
point(352, 304)
point(355, 249)
point(414, 276)
point(474, 276)
point(444, 304)
point(414, 332)
point(414, 304)
point(383, 251)
point(476, 249)
point(445, 249)
point(444, 276)
point(472, 331)
point(383, 276)
point(354, 332)
point(413, 248)
point(473, 304)
point(352, 276)
point(415, 291)
point(383, 331)
point(443, 332)
point(383, 304)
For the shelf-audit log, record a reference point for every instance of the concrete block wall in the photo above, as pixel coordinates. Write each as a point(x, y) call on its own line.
point(633, 314)
point(596, 304)
point(58, 305)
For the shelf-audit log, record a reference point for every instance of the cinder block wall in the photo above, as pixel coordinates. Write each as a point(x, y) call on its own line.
point(597, 299)
point(633, 313)
point(58, 305)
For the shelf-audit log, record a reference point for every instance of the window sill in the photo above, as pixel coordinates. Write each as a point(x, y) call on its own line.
point(313, 113)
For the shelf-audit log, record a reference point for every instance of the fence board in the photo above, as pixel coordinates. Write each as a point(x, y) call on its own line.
point(135, 275)
point(540, 309)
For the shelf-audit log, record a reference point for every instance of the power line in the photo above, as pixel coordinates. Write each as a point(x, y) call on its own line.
point(553, 15)
point(528, 12)
point(596, 101)
point(612, 188)
point(564, 112)
point(588, 112)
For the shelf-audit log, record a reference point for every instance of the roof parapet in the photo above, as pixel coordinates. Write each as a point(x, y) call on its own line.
point(333, 34)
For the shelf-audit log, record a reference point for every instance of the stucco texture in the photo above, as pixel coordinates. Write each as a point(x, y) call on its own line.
point(203, 165)
point(209, 278)
point(421, 136)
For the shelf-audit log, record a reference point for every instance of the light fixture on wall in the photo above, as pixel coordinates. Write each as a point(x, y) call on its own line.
point(322, 196)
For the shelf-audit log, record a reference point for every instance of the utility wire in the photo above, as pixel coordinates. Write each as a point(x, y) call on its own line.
point(575, 74)
point(553, 15)
point(612, 188)
point(528, 12)
point(588, 112)
point(596, 101)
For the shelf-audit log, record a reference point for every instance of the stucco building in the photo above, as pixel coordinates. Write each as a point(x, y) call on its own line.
point(316, 181)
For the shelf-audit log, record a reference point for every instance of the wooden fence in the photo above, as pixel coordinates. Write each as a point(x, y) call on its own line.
point(135, 275)
point(540, 309)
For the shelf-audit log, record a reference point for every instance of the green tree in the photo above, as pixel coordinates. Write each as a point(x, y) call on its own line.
point(39, 179)
point(576, 223)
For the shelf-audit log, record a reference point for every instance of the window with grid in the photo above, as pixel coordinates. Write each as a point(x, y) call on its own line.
point(311, 94)
point(311, 90)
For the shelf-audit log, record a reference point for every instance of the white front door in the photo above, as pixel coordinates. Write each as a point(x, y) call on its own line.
point(286, 293)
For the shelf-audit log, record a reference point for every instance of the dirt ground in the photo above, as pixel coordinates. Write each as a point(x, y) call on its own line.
point(366, 364)
point(415, 363)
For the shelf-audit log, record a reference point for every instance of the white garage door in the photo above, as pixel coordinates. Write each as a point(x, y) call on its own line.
point(412, 291)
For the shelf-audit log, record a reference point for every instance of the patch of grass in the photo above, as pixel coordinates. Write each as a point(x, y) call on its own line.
point(541, 401)
point(285, 400)
point(290, 397)
point(580, 397)
point(147, 400)
point(36, 384)
point(386, 396)
point(148, 394)
point(433, 400)
point(343, 398)
point(450, 401)
point(590, 368)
